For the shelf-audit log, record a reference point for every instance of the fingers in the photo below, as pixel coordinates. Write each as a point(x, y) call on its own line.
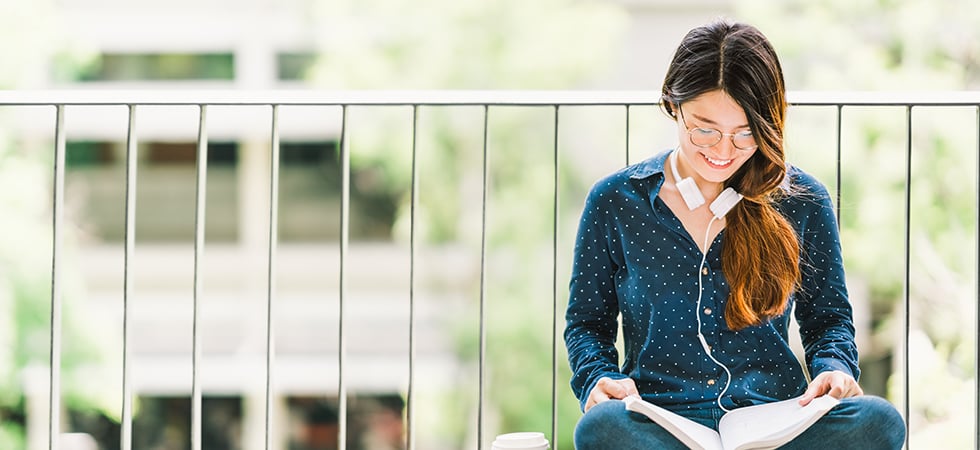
point(813, 391)
point(835, 383)
point(595, 397)
point(856, 391)
point(843, 385)
point(607, 388)
point(846, 387)
point(624, 388)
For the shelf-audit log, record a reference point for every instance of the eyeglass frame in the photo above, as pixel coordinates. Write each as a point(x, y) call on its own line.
point(721, 135)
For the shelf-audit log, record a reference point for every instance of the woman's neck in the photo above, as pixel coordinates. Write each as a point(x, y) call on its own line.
point(709, 190)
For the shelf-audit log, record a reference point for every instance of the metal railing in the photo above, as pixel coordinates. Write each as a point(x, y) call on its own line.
point(488, 101)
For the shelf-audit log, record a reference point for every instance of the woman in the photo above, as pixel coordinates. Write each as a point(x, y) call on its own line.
point(705, 292)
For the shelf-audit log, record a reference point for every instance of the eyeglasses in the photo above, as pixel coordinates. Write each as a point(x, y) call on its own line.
point(709, 137)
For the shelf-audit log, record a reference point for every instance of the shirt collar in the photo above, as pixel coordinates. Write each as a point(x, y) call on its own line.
point(653, 165)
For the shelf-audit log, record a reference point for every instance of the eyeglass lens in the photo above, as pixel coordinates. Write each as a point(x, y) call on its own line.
point(706, 137)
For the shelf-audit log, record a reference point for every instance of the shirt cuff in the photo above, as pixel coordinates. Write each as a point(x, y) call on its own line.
point(828, 365)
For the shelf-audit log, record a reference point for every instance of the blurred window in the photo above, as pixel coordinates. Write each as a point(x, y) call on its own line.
point(309, 192)
point(293, 66)
point(153, 66)
point(165, 190)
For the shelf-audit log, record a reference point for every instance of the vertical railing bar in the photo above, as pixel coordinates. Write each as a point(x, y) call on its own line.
point(554, 280)
point(126, 435)
point(410, 400)
point(627, 135)
point(976, 296)
point(840, 146)
point(271, 282)
point(199, 221)
point(908, 257)
point(57, 216)
point(342, 282)
point(483, 276)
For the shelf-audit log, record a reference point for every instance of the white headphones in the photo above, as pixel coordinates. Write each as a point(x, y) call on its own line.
point(719, 207)
point(692, 195)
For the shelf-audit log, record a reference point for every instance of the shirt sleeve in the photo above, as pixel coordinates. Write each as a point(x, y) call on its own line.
point(823, 309)
point(591, 317)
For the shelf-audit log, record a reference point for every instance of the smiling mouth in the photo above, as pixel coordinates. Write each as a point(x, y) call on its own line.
point(719, 163)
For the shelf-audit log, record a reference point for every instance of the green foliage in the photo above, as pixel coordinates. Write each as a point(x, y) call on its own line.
point(11, 435)
point(468, 44)
point(25, 290)
point(871, 44)
point(25, 246)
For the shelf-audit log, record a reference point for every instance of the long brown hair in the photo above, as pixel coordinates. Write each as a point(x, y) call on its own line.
point(761, 252)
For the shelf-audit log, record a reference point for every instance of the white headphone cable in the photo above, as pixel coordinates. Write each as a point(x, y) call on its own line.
point(697, 313)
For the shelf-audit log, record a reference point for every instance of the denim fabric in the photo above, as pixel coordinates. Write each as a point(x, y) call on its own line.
point(864, 423)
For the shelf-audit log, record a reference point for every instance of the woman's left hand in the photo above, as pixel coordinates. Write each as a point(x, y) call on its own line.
point(835, 383)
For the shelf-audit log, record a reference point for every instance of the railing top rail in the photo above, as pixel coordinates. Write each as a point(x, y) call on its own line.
point(450, 97)
point(885, 98)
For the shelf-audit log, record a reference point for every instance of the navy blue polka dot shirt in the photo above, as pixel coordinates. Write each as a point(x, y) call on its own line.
point(634, 261)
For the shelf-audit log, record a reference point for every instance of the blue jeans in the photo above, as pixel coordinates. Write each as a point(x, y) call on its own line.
point(865, 422)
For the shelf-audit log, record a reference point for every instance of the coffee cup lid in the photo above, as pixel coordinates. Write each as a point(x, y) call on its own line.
point(521, 440)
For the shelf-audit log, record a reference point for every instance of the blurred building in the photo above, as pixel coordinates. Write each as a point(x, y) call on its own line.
point(255, 44)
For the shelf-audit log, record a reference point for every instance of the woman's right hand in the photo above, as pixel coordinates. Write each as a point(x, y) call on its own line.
point(607, 388)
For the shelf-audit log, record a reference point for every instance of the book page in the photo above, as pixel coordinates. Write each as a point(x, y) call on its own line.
point(689, 432)
point(772, 424)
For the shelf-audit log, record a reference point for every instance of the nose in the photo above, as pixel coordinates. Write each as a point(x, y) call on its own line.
point(725, 148)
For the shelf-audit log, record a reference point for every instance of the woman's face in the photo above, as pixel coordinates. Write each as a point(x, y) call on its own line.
point(712, 110)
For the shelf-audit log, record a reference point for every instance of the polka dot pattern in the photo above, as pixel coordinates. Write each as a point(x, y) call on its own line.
point(635, 270)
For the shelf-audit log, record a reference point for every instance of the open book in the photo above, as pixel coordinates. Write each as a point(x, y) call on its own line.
point(764, 426)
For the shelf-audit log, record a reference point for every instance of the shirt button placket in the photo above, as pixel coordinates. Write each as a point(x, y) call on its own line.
point(708, 311)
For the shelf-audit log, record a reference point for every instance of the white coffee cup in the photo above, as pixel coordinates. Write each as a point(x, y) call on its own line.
point(527, 440)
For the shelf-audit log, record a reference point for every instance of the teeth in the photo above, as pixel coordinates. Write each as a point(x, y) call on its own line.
point(718, 162)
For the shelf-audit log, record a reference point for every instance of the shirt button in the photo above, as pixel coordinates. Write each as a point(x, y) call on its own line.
point(707, 311)
point(704, 270)
point(711, 382)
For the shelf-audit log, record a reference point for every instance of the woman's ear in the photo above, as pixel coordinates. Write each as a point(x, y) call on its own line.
point(668, 108)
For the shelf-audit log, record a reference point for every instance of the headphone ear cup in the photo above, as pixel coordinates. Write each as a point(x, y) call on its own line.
point(725, 202)
point(690, 193)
